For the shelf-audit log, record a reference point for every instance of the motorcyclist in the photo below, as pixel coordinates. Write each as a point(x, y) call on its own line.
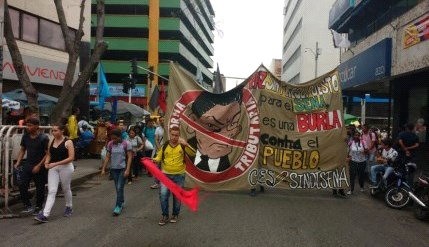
point(385, 162)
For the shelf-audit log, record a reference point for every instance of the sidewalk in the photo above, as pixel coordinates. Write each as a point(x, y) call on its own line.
point(85, 170)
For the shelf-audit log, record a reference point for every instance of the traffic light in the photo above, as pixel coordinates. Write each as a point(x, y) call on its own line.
point(134, 68)
point(150, 73)
point(125, 85)
point(133, 83)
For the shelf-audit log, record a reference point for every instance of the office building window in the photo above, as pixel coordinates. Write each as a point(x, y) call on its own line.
point(30, 28)
point(34, 29)
point(51, 35)
point(14, 17)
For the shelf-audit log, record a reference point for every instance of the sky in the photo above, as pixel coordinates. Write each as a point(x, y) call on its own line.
point(248, 33)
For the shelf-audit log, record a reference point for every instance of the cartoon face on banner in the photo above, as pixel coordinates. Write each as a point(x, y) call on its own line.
point(223, 128)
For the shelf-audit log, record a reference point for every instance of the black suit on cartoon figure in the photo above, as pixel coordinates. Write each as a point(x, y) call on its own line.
point(219, 114)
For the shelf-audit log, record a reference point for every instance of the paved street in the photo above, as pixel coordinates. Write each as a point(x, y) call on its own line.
point(274, 218)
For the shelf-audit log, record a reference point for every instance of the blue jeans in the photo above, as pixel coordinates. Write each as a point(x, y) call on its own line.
point(164, 195)
point(118, 177)
point(380, 168)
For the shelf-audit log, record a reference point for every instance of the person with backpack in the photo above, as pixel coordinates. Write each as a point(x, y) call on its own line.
point(357, 161)
point(172, 158)
point(119, 156)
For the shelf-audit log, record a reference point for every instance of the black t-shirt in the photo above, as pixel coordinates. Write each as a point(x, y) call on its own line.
point(36, 148)
point(409, 139)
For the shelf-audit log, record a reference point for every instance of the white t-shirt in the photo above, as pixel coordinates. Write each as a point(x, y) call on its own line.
point(357, 151)
point(390, 154)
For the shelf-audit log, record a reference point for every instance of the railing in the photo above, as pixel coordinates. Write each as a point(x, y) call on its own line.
point(10, 144)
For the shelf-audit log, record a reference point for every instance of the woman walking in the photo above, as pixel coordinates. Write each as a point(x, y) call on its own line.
point(60, 168)
point(137, 144)
point(119, 156)
point(357, 160)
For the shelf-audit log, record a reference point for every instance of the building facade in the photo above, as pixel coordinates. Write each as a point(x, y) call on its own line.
point(156, 32)
point(39, 38)
point(389, 56)
point(308, 49)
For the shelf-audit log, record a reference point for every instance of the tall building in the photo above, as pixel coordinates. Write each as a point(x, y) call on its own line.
point(276, 68)
point(155, 32)
point(389, 57)
point(39, 38)
point(308, 49)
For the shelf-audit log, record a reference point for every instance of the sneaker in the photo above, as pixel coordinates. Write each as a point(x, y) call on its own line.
point(174, 219)
point(154, 186)
point(27, 210)
point(36, 211)
point(117, 211)
point(362, 189)
point(163, 221)
point(130, 182)
point(41, 218)
point(349, 192)
point(68, 212)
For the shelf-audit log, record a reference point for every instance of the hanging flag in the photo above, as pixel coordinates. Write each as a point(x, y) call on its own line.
point(162, 98)
point(153, 102)
point(103, 87)
point(114, 109)
point(218, 88)
point(340, 40)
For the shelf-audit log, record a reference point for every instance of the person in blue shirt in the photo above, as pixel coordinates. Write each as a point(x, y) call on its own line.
point(123, 128)
point(85, 139)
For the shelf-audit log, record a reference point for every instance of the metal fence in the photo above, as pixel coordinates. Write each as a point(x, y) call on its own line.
point(10, 144)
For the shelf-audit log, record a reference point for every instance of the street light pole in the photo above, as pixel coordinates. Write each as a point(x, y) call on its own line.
point(316, 56)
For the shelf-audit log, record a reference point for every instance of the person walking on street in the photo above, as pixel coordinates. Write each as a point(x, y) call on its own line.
point(370, 139)
point(137, 144)
point(119, 156)
point(159, 141)
point(357, 161)
point(58, 161)
point(172, 156)
point(35, 144)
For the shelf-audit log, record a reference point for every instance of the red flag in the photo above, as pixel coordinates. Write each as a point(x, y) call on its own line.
point(189, 198)
point(162, 98)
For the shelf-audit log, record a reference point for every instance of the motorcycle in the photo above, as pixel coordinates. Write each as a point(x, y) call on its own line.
point(397, 192)
point(421, 199)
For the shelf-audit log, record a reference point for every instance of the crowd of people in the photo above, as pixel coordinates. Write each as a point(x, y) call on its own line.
point(370, 153)
point(51, 162)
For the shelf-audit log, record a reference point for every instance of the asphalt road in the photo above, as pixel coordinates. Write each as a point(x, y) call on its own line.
point(273, 218)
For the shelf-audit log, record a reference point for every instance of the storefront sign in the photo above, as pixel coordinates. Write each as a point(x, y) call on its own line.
point(416, 32)
point(116, 90)
point(38, 69)
point(371, 64)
